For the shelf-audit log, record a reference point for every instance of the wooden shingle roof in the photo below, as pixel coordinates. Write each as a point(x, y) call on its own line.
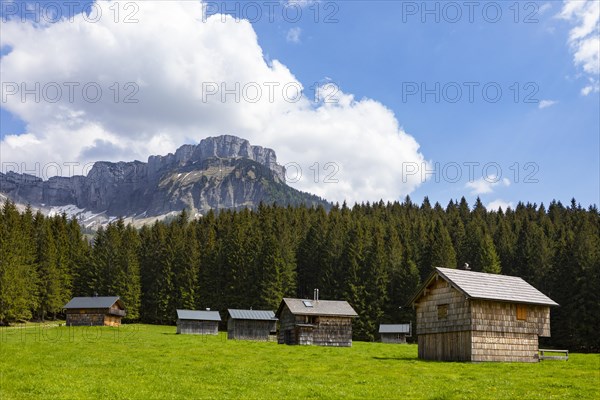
point(484, 286)
point(262, 315)
point(318, 307)
point(198, 315)
point(94, 302)
point(394, 328)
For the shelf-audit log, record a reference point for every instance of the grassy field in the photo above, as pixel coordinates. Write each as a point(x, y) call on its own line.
point(152, 362)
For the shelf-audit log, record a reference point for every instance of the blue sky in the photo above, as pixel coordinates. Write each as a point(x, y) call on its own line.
point(541, 134)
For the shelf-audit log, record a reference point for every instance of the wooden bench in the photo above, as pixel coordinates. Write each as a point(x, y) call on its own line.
point(543, 355)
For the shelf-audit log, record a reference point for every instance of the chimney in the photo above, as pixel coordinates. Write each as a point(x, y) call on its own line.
point(466, 267)
point(316, 295)
point(208, 309)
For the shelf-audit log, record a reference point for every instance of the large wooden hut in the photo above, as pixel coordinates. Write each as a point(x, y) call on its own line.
point(192, 322)
point(394, 333)
point(474, 316)
point(318, 322)
point(95, 311)
point(251, 324)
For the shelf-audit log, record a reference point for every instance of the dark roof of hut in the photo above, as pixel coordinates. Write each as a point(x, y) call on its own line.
point(484, 286)
point(394, 328)
point(198, 315)
point(94, 302)
point(264, 315)
point(336, 308)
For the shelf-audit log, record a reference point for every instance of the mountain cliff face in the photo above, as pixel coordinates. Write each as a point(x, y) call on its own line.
point(218, 173)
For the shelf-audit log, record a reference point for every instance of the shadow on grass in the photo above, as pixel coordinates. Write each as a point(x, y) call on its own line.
point(416, 359)
point(398, 358)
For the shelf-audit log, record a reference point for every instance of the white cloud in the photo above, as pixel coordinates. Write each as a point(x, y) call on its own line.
point(584, 38)
point(174, 66)
point(293, 35)
point(593, 87)
point(544, 7)
point(546, 103)
point(498, 203)
point(486, 185)
point(301, 3)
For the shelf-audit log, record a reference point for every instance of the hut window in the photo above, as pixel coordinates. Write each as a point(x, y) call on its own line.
point(521, 312)
point(442, 310)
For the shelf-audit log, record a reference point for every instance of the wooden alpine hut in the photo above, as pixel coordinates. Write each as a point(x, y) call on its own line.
point(474, 316)
point(394, 333)
point(318, 322)
point(251, 324)
point(95, 311)
point(193, 322)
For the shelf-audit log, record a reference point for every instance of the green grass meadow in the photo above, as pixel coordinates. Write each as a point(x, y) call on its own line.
point(152, 362)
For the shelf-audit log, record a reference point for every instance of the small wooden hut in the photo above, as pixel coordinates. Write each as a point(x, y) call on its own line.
point(474, 316)
point(394, 333)
point(95, 311)
point(251, 324)
point(318, 322)
point(191, 322)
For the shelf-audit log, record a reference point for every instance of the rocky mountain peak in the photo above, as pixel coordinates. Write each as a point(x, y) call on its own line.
point(219, 172)
point(220, 147)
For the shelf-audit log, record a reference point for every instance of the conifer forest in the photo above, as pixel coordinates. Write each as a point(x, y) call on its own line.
point(375, 256)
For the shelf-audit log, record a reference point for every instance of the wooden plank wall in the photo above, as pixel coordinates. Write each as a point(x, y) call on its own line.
point(85, 319)
point(194, 327)
point(112, 320)
point(287, 322)
point(87, 311)
point(397, 338)
point(246, 329)
point(447, 346)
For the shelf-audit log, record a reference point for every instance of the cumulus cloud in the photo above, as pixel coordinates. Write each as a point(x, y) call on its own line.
point(546, 103)
point(130, 90)
point(498, 203)
point(293, 35)
point(584, 38)
point(486, 185)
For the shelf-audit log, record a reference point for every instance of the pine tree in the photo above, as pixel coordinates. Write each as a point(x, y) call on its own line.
point(209, 276)
point(354, 291)
point(185, 269)
point(129, 287)
point(375, 275)
point(440, 252)
point(488, 258)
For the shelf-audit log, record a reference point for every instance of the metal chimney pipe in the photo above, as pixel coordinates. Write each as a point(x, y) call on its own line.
point(315, 294)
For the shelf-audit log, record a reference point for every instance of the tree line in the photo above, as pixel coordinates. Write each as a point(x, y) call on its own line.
point(375, 256)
